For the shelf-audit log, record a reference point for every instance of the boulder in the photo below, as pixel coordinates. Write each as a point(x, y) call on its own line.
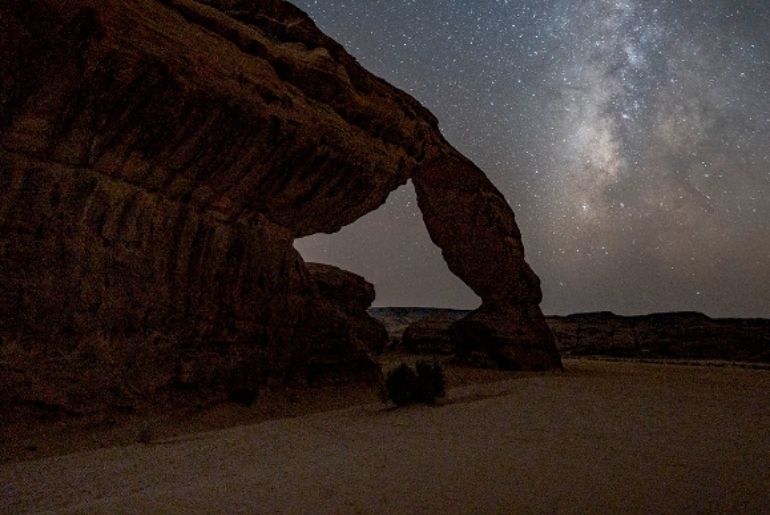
point(349, 291)
point(352, 295)
point(514, 338)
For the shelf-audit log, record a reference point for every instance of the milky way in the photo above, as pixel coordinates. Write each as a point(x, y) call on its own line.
point(632, 139)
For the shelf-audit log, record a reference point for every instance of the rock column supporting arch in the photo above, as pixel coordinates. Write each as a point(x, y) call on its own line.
point(469, 219)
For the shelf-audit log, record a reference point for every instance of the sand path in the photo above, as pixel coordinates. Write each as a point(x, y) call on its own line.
point(613, 437)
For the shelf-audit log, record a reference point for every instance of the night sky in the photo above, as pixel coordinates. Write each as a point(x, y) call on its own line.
point(631, 138)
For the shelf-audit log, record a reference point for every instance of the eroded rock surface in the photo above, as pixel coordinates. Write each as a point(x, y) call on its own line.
point(352, 295)
point(157, 160)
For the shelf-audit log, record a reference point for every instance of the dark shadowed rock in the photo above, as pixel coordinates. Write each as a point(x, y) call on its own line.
point(349, 291)
point(157, 160)
point(475, 228)
point(353, 295)
point(429, 335)
point(514, 338)
point(397, 319)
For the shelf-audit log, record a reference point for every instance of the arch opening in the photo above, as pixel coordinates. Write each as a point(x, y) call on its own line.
point(390, 247)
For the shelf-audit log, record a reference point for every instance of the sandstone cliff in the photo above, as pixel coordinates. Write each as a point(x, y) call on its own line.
point(157, 160)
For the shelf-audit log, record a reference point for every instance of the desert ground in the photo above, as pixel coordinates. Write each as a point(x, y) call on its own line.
point(599, 437)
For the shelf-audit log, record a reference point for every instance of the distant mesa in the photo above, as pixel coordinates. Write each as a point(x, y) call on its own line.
point(157, 161)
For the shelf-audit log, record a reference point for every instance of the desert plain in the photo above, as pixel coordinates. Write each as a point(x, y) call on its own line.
point(601, 436)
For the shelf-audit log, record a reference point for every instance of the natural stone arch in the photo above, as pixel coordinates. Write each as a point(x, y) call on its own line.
point(151, 188)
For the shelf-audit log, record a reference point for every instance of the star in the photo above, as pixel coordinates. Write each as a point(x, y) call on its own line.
point(640, 126)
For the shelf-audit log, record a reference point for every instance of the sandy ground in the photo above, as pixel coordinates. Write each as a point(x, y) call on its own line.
point(603, 436)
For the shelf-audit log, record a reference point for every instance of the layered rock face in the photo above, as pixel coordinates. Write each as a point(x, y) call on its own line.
point(157, 160)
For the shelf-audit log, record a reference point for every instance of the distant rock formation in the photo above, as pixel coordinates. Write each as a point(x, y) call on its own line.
point(157, 160)
point(679, 335)
point(664, 335)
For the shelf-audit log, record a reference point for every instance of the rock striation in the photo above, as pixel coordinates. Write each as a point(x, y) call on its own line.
point(157, 160)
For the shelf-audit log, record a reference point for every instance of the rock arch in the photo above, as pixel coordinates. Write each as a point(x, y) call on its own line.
point(157, 160)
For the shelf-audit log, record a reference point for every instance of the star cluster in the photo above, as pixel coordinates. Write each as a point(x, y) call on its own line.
point(632, 139)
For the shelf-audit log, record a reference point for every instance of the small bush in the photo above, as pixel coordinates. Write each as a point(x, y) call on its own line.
point(403, 386)
point(242, 388)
